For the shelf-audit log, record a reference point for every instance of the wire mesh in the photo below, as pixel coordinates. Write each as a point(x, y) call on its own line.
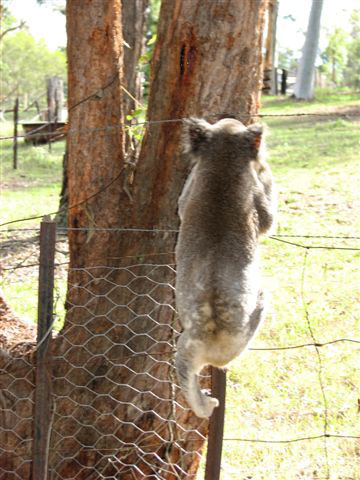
point(117, 411)
point(114, 383)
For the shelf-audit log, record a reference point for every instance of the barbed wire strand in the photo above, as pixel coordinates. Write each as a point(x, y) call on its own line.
point(58, 361)
point(314, 247)
point(279, 238)
point(63, 230)
point(293, 440)
point(101, 190)
point(133, 123)
point(251, 440)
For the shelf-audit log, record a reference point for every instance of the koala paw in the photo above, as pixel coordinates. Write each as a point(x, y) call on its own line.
point(206, 408)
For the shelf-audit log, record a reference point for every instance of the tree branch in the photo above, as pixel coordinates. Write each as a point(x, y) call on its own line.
point(21, 25)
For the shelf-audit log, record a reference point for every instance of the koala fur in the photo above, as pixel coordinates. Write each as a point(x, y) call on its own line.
point(226, 203)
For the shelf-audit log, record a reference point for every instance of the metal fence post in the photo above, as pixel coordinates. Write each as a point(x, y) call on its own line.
point(216, 427)
point(45, 319)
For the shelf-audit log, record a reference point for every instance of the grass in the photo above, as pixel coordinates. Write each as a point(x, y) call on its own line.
point(29, 191)
point(314, 294)
point(34, 184)
point(325, 100)
point(277, 395)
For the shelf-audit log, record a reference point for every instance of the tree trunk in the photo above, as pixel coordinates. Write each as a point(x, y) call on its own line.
point(55, 99)
point(134, 19)
point(304, 87)
point(117, 410)
point(270, 49)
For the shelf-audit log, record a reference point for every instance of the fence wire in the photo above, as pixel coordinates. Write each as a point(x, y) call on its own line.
point(37, 132)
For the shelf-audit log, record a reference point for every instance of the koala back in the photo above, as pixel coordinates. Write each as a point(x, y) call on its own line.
point(217, 203)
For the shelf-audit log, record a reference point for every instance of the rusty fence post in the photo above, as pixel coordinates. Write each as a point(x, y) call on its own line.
point(45, 319)
point(15, 144)
point(216, 427)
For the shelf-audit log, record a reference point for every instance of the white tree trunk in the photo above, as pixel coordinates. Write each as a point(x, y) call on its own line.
point(304, 87)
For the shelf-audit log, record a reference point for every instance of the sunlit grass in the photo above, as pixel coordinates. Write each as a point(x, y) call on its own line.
point(277, 395)
point(323, 99)
point(33, 201)
point(33, 188)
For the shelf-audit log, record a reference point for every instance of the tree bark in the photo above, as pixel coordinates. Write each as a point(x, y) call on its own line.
point(134, 18)
point(304, 86)
point(117, 410)
point(270, 49)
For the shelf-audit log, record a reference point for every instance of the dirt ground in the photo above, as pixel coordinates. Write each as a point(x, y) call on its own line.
point(19, 263)
point(16, 336)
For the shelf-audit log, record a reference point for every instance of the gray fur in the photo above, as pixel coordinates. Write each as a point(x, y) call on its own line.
point(226, 203)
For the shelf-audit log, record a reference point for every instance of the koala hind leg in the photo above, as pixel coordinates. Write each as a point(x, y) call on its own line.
point(188, 364)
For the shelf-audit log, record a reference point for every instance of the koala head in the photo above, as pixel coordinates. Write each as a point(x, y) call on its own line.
point(228, 138)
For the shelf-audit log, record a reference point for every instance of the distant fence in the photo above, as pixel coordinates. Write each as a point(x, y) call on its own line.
point(77, 401)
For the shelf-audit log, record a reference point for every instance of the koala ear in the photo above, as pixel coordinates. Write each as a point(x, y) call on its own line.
point(256, 134)
point(196, 132)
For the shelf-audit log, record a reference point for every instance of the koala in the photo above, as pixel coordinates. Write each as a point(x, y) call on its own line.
point(226, 203)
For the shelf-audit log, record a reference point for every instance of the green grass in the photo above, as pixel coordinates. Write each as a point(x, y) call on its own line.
point(33, 188)
point(29, 191)
point(32, 202)
point(271, 395)
point(324, 100)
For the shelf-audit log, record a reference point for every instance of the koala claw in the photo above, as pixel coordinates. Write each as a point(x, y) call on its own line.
point(207, 406)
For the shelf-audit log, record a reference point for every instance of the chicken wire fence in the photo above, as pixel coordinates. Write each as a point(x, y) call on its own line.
point(99, 399)
point(117, 362)
point(111, 407)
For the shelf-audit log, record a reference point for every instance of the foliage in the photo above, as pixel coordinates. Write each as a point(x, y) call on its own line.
point(25, 64)
point(352, 70)
point(145, 59)
point(7, 21)
point(59, 5)
point(135, 128)
point(287, 59)
point(341, 57)
point(335, 54)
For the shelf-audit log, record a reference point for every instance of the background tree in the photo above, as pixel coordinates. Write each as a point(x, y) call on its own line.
point(335, 55)
point(352, 70)
point(270, 79)
point(7, 21)
point(287, 59)
point(25, 77)
point(58, 5)
point(304, 87)
point(134, 16)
